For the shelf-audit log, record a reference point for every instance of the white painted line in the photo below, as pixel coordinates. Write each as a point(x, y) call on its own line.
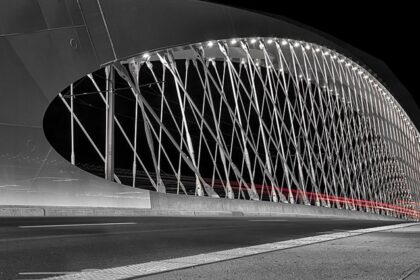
point(7, 186)
point(272, 220)
point(77, 225)
point(47, 273)
point(143, 269)
point(54, 272)
point(119, 232)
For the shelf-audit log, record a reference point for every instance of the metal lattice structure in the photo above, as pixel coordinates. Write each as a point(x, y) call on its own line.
point(261, 119)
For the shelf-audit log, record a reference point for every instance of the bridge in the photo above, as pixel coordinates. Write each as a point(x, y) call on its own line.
point(189, 108)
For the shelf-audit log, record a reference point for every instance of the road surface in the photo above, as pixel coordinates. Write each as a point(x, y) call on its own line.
point(33, 248)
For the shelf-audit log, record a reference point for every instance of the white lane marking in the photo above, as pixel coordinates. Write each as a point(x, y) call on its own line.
point(48, 273)
point(143, 269)
point(272, 220)
point(43, 237)
point(55, 272)
point(77, 225)
point(7, 186)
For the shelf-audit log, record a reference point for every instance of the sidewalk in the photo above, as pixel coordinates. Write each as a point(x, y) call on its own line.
point(392, 254)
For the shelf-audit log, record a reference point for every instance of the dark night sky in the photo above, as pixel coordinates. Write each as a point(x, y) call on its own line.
point(387, 30)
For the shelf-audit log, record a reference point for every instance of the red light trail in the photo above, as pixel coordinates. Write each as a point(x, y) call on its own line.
point(410, 212)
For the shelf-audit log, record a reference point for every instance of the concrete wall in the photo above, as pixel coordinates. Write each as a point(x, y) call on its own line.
point(177, 204)
point(181, 205)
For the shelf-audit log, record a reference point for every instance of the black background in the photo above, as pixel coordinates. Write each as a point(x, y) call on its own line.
point(387, 30)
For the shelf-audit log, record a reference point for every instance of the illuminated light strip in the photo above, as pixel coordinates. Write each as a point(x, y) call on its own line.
point(161, 266)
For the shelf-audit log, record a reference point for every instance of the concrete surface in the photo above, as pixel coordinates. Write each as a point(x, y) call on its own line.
point(181, 205)
point(30, 247)
point(393, 254)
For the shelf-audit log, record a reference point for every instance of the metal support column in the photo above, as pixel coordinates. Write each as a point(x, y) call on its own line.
point(72, 156)
point(109, 135)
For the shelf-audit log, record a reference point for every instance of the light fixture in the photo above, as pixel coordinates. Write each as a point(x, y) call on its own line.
point(296, 44)
point(146, 55)
point(233, 41)
point(269, 41)
point(210, 44)
point(307, 46)
point(327, 53)
point(284, 42)
point(253, 41)
point(334, 56)
point(317, 49)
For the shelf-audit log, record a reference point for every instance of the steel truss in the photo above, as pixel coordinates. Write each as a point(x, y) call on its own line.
point(261, 119)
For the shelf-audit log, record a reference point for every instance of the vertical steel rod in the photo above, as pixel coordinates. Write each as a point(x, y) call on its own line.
point(72, 157)
point(110, 111)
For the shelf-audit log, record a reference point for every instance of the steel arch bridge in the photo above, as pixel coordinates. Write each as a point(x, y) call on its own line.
point(257, 118)
point(215, 106)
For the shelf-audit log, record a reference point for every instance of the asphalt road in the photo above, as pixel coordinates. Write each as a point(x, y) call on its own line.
point(33, 248)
